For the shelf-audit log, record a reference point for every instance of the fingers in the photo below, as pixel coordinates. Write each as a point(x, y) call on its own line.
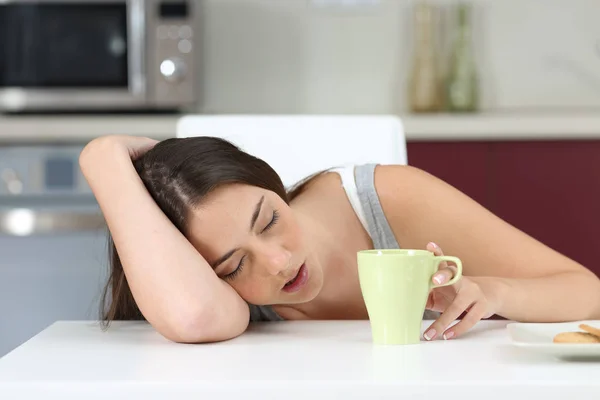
point(138, 146)
point(445, 272)
point(476, 313)
point(458, 306)
point(442, 276)
point(436, 250)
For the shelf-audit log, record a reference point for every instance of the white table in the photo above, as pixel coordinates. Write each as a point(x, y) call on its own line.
point(284, 360)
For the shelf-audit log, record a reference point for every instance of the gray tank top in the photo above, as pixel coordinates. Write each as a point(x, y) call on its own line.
point(377, 226)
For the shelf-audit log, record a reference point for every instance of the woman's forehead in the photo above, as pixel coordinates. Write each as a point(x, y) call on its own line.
point(232, 196)
point(228, 208)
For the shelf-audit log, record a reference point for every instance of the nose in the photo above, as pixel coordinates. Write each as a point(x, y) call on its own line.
point(274, 259)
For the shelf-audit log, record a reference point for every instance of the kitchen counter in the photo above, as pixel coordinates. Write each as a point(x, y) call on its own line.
point(502, 126)
point(423, 127)
point(83, 128)
point(284, 360)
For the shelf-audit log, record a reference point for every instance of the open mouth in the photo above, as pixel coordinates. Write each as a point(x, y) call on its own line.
point(297, 281)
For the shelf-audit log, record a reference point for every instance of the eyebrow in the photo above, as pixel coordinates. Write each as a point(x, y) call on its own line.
point(253, 220)
point(256, 212)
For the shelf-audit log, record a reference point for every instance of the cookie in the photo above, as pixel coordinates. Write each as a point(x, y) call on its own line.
point(576, 337)
point(590, 329)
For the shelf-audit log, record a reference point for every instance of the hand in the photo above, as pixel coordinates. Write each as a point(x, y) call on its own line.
point(135, 146)
point(479, 297)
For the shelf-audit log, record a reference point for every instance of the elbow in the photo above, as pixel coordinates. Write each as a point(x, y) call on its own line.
point(198, 326)
point(94, 152)
point(595, 312)
point(590, 285)
point(190, 326)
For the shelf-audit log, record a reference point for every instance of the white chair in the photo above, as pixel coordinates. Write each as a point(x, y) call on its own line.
point(298, 146)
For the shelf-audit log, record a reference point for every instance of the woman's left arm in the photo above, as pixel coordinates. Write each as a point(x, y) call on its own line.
point(526, 280)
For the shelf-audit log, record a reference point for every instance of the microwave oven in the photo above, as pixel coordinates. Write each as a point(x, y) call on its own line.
point(70, 55)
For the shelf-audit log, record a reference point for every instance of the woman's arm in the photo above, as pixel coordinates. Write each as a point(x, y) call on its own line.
point(174, 287)
point(565, 296)
point(532, 282)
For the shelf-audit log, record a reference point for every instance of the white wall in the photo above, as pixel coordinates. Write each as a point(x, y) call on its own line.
point(290, 56)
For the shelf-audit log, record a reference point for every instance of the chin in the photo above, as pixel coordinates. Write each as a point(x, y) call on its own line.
point(312, 290)
point(313, 295)
point(309, 293)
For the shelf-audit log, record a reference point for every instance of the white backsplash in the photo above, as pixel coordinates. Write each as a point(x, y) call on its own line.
point(290, 56)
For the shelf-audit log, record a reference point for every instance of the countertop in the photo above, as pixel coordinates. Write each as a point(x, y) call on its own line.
point(83, 128)
point(284, 360)
point(502, 126)
point(423, 127)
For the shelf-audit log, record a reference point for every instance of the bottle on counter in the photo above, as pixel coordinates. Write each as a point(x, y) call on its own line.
point(425, 91)
point(462, 86)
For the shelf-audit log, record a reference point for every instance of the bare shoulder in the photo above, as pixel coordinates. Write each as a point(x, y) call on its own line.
point(405, 194)
point(406, 191)
point(403, 181)
point(391, 178)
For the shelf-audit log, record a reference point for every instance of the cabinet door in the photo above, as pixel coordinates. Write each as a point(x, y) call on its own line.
point(463, 165)
point(551, 191)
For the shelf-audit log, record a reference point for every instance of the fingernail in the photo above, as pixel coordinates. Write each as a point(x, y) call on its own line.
point(430, 334)
point(435, 246)
point(448, 335)
point(438, 279)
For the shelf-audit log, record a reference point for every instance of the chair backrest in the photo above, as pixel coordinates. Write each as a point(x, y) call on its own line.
point(298, 146)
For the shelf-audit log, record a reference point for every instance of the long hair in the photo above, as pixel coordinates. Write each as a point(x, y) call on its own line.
point(179, 174)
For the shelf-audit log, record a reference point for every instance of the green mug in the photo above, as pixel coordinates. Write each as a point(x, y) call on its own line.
point(395, 285)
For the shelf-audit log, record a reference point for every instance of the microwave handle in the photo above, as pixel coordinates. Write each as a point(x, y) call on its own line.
point(30, 222)
point(136, 15)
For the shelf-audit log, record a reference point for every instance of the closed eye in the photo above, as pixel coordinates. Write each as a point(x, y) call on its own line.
point(234, 273)
point(270, 225)
point(273, 221)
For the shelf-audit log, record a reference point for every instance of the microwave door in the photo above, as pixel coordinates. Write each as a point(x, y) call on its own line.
point(71, 55)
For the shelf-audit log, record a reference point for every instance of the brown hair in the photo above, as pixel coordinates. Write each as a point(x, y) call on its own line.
point(178, 174)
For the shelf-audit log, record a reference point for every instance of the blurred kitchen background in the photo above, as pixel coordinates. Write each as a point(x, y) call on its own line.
point(500, 98)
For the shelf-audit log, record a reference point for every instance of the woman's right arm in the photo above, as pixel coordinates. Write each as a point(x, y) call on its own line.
point(174, 287)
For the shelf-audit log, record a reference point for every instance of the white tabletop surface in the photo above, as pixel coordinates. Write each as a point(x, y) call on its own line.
point(285, 360)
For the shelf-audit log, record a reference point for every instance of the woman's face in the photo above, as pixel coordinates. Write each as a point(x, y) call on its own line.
point(255, 242)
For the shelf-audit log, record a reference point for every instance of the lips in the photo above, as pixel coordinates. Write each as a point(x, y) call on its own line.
point(298, 281)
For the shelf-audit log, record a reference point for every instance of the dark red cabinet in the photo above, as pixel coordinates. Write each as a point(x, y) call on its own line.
point(462, 165)
point(551, 190)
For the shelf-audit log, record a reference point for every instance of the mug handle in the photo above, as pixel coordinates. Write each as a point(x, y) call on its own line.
point(457, 274)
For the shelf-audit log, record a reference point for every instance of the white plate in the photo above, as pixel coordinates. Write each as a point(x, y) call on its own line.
point(538, 337)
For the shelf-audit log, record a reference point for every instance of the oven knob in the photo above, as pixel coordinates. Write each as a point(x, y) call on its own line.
point(173, 69)
point(12, 182)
